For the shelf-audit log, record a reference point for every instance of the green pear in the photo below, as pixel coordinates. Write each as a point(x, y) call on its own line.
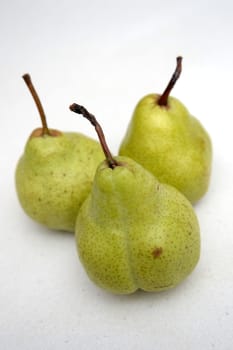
point(55, 173)
point(133, 232)
point(169, 142)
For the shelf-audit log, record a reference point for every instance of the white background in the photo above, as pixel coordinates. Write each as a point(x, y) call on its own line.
point(106, 55)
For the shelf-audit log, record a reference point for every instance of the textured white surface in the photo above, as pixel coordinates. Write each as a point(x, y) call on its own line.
point(106, 55)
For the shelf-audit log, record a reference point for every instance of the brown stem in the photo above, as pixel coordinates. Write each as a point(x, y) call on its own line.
point(82, 110)
point(163, 99)
point(27, 79)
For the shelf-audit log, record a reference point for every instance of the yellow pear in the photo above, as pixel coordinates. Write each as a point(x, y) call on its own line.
point(133, 232)
point(169, 142)
point(55, 173)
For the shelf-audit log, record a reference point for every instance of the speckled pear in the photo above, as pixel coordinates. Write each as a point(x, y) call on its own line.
point(55, 173)
point(169, 142)
point(133, 232)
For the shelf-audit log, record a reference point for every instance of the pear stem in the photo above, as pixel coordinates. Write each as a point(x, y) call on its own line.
point(82, 110)
point(27, 79)
point(163, 99)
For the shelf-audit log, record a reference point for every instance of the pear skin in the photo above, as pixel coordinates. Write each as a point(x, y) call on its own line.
point(171, 144)
point(133, 232)
point(54, 177)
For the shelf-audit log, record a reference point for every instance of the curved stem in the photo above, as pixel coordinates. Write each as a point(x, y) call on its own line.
point(27, 79)
point(164, 97)
point(82, 110)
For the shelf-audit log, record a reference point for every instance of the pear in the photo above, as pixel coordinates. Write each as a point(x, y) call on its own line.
point(133, 232)
point(55, 173)
point(168, 141)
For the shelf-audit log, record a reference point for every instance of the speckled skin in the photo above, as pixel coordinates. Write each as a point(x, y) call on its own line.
point(133, 232)
point(54, 177)
point(171, 144)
